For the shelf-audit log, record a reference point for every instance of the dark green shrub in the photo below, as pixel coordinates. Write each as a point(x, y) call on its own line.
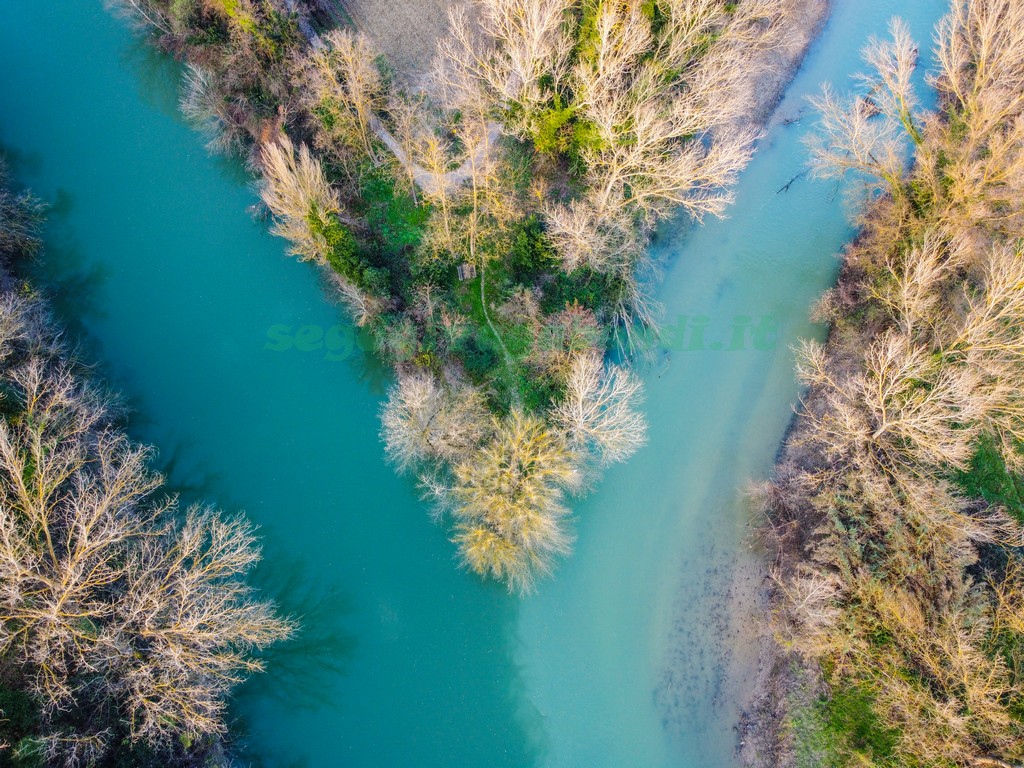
point(479, 359)
point(531, 254)
point(20, 715)
point(538, 392)
point(583, 286)
point(376, 280)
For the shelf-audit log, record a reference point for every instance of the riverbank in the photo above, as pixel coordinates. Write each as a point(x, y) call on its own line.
point(411, 666)
point(779, 65)
point(893, 518)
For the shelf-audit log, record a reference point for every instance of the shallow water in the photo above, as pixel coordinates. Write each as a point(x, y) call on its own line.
point(248, 381)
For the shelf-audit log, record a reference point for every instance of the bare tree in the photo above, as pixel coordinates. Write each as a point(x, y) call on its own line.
point(851, 138)
point(900, 399)
point(104, 596)
point(143, 12)
point(207, 109)
point(298, 194)
point(981, 64)
point(643, 161)
point(407, 117)
point(868, 133)
point(20, 219)
point(189, 625)
point(518, 51)
point(893, 63)
point(362, 306)
point(599, 409)
point(904, 411)
point(427, 419)
point(654, 143)
point(435, 155)
point(561, 337)
point(343, 77)
point(911, 287)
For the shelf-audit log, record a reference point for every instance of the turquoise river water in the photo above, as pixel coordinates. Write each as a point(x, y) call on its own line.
point(244, 375)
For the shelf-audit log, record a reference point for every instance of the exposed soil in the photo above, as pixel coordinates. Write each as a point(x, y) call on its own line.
point(405, 32)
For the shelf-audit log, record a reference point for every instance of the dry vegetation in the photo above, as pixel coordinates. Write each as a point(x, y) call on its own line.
point(899, 569)
point(123, 620)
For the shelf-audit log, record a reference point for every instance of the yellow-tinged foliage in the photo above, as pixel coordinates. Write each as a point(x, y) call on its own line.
point(507, 500)
point(298, 194)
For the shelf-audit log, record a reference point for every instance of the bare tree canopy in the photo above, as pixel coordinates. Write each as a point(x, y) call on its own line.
point(599, 410)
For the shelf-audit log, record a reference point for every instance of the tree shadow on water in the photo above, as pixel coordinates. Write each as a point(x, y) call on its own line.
point(159, 79)
point(20, 164)
point(70, 279)
point(61, 270)
point(301, 672)
point(157, 74)
point(188, 476)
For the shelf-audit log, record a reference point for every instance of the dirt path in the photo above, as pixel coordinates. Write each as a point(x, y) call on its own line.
point(424, 179)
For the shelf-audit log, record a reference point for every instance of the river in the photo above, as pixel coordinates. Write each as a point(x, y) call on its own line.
point(245, 376)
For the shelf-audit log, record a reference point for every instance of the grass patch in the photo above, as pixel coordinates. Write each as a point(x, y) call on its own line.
point(841, 731)
point(988, 478)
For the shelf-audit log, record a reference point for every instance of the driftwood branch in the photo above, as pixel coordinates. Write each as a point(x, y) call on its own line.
point(785, 187)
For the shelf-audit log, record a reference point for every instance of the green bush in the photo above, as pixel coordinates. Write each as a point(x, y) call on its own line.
point(554, 130)
point(345, 256)
point(850, 716)
point(376, 280)
point(531, 254)
point(583, 286)
point(839, 732)
point(538, 392)
point(343, 253)
point(395, 219)
point(478, 358)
